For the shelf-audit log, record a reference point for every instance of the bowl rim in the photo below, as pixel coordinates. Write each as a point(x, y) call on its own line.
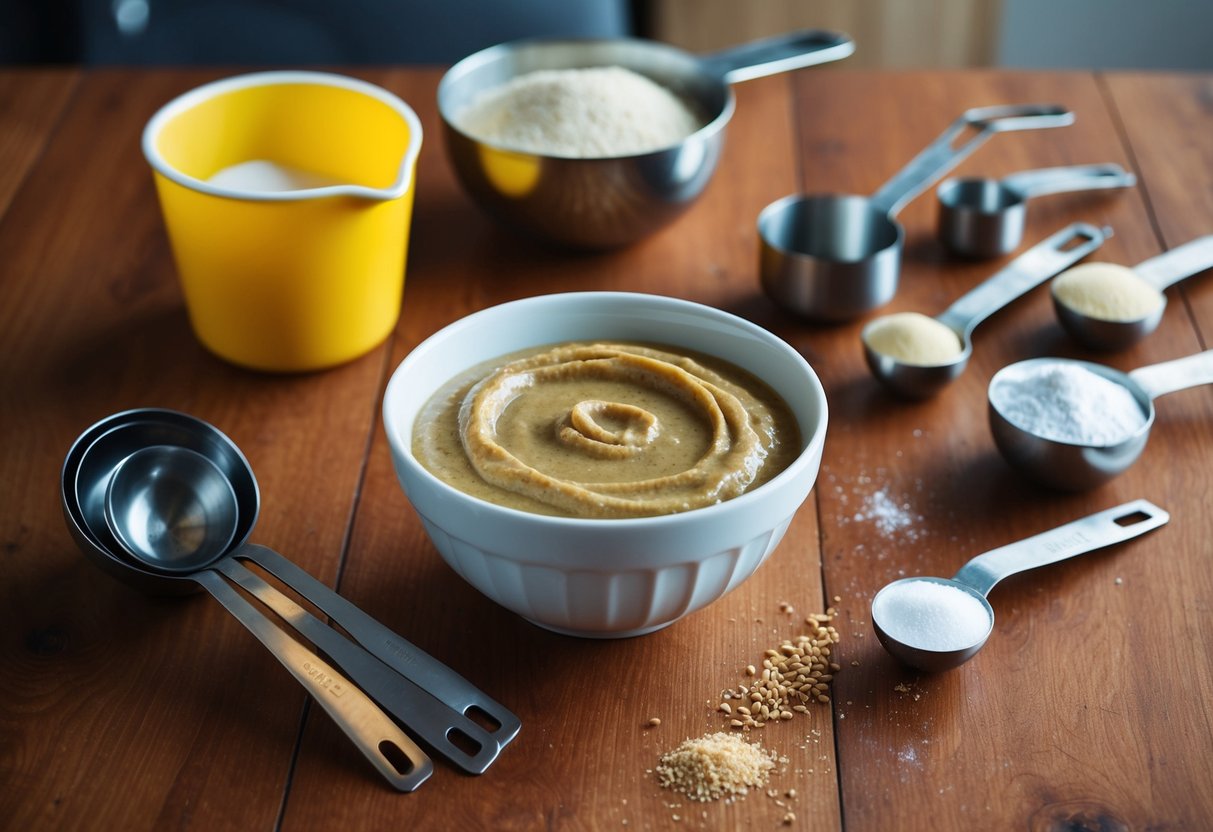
point(477, 59)
point(401, 446)
point(273, 78)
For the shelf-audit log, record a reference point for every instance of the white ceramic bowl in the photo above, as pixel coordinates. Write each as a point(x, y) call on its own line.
point(617, 577)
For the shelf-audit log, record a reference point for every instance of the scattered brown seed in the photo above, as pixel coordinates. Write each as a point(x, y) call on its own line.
point(750, 670)
point(726, 707)
point(654, 722)
point(789, 818)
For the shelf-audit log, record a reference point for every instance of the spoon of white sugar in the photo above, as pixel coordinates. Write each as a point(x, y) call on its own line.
point(939, 623)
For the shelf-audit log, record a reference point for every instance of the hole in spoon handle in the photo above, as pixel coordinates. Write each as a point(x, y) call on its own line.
point(1095, 531)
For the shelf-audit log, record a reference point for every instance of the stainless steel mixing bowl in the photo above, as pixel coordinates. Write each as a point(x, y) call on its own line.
point(602, 203)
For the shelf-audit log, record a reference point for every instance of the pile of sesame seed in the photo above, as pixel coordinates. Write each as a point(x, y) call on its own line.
point(795, 673)
point(715, 766)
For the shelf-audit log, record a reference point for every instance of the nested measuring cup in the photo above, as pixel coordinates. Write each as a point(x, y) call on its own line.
point(985, 217)
point(835, 256)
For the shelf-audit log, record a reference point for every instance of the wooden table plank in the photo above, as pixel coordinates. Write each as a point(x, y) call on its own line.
point(124, 711)
point(1021, 736)
point(1168, 120)
point(582, 757)
point(31, 101)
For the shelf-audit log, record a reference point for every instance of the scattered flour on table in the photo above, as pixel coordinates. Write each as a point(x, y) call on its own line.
point(1066, 403)
point(598, 112)
point(890, 517)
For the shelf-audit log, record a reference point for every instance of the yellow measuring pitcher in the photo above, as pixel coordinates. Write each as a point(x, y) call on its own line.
point(287, 197)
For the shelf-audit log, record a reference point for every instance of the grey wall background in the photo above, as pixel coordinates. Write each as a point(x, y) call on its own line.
point(1143, 34)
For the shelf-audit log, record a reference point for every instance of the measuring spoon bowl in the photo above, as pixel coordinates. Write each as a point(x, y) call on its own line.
point(833, 257)
point(1158, 273)
point(981, 217)
point(1042, 261)
point(900, 627)
point(1074, 466)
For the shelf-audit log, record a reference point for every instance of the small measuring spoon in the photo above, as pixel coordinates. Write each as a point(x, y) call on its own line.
point(161, 505)
point(911, 620)
point(1074, 467)
point(167, 511)
point(1025, 272)
point(1157, 273)
point(985, 217)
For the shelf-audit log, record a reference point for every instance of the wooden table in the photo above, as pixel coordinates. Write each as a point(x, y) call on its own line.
point(1088, 709)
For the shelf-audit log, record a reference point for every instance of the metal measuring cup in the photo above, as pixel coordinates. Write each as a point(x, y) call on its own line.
point(1158, 273)
point(835, 256)
point(977, 577)
point(1072, 466)
point(985, 217)
point(431, 699)
point(1022, 274)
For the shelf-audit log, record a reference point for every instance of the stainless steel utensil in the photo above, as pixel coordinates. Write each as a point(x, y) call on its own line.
point(1074, 467)
point(167, 512)
point(985, 217)
point(87, 472)
point(977, 577)
point(1025, 272)
point(1159, 272)
point(833, 257)
point(610, 202)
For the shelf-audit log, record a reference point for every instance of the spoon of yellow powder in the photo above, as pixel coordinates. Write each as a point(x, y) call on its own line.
point(1107, 306)
point(917, 356)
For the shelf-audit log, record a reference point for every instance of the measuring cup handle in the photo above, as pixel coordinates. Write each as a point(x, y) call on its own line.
point(400, 655)
point(360, 718)
point(781, 53)
point(1182, 261)
point(1033, 183)
point(1025, 272)
point(1177, 374)
point(428, 718)
point(941, 156)
point(1093, 532)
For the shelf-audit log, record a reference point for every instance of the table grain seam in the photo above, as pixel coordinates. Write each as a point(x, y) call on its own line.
point(52, 131)
point(1122, 130)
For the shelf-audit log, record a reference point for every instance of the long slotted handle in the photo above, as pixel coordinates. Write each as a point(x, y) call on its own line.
point(1095, 531)
point(405, 658)
point(1025, 272)
point(421, 713)
point(941, 155)
point(368, 727)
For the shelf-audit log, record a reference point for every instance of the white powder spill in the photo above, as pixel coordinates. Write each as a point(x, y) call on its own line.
point(1066, 403)
point(931, 616)
point(890, 517)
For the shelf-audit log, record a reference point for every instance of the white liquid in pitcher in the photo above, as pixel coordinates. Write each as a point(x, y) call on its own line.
point(268, 177)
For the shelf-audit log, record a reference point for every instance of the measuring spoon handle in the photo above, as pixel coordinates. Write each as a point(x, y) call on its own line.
point(1025, 272)
point(1173, 266)
point(424, 715)
point(782, 53)
point(942, 155)
point(1033, 183)
point(1177, 374)
point(360, 718)
point(405, 658)
point(1093, 532)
